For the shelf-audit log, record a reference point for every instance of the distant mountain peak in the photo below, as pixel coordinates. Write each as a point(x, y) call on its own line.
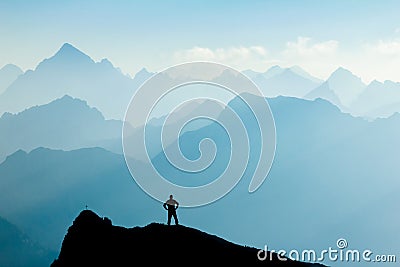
point(105, 61)
point(273, 71)
point(68, 102)
point(69, 99)
point(143, 70)
point(343, 75)
point(294, 70)
point(16, 156)
point(63, 99)
point(67, 56)
point(70, 54)
point(142, 75)
point(340, 68)
point(340, 72)
point(68, 48)
point(11, 67)
point(70, 71)
point(342, 88)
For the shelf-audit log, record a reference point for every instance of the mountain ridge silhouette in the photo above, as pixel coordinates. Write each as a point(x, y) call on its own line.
point(94, 241)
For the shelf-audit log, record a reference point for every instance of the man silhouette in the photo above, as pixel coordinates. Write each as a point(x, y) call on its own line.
point(171, 205)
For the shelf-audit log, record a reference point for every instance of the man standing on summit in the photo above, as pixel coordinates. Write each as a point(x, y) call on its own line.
point(171, 205)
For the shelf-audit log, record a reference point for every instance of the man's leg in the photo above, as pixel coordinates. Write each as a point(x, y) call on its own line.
point(169, 217)
point(175, 218)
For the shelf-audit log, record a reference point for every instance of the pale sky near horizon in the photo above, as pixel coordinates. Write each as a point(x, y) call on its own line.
point(319, 36)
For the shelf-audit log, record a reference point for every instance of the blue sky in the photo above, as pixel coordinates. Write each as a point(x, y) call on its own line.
point(363, 36)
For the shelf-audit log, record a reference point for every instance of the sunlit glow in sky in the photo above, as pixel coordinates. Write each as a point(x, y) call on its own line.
point(362, 36)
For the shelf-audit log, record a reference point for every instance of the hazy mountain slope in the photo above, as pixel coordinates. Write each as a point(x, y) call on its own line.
point(284, 81)
point(71, 72)
point(298, 70)
point(47, 188)
point(378, 100)
point(65, 123)
point(8, 74)
point(307, 202)
point(342, 88)
point(323, 156)
point(17, 249)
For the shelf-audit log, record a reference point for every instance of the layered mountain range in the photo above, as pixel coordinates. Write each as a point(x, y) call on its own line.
point(335, 172)
point(71, 72)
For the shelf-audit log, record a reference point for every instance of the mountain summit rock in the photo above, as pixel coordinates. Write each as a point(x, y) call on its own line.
point(94, 241)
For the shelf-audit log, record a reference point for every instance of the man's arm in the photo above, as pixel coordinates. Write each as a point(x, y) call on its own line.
point(165, 205)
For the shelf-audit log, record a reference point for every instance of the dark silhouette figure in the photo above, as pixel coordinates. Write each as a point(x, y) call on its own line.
point(171, 205)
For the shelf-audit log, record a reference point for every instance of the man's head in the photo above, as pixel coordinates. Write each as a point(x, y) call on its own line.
point(171, 196)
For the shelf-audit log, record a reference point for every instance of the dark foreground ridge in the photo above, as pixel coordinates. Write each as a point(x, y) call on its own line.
point(94, 241)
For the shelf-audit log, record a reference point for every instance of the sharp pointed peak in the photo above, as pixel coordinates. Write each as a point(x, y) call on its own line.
point(143, 70)
point(143, 74)
point(69, 51)
point(106, 62)
point(68, 47)
point(342, 72)
point(66, 55)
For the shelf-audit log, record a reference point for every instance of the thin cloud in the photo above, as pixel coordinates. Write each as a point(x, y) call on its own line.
point(304, 47)
point(378, 60)
point(240, 57)
point(317, 57)
point(385, 47)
